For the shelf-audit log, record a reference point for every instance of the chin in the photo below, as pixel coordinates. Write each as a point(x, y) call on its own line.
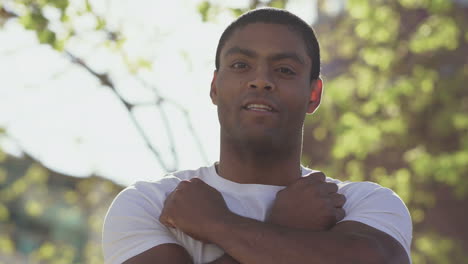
point(262, 144)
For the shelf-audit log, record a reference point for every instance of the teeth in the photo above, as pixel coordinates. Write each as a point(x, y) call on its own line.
point(259, 107)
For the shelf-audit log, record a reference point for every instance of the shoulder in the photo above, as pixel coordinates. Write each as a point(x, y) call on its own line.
point(378, 207)
point(154, 190)
point(371, 198)
point(366, 192)
point(367, 196)
point(361, 190)
point(143, 194)
point(131, 225)
point(355, 190)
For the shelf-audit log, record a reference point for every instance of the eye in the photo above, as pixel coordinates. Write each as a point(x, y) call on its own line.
point(239, 65)
point(286, 70)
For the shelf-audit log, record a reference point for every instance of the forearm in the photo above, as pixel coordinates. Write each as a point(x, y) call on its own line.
point(225, 259)
point(251, 241)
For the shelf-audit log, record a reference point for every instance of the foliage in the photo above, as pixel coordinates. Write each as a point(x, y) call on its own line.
point(395, 111)
point(395, 107)
point(61, 24)
point(46, 217)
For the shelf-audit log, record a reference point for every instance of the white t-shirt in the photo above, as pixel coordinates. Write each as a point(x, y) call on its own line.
point(132, 223)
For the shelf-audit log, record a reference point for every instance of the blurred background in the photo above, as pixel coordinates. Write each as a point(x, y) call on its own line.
point(98, 94)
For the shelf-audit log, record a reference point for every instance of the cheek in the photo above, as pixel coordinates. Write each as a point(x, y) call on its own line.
point(295, 93)
point(225, 96)
point(297, 102)
point(229, 89)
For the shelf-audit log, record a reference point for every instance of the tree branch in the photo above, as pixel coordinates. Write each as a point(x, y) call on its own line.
point(105, 80)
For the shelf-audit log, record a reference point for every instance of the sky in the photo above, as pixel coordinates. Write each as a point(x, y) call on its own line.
point(60, 114)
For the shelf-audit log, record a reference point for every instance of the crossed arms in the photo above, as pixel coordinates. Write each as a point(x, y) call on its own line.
point(301, 228)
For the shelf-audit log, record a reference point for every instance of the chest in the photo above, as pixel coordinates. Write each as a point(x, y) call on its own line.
point(255, 206)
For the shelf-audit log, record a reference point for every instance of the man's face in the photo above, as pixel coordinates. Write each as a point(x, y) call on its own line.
point(262, 87)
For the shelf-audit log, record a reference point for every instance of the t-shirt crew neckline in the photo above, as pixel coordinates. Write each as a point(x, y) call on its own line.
point(223, 184)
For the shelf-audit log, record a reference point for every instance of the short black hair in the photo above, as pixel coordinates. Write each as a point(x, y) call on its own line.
point(281, 17)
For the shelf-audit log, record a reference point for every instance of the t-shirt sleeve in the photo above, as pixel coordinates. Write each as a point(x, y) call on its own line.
point(379, 207)
point(132, 225)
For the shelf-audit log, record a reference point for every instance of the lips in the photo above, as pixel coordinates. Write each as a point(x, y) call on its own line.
point(260, 105)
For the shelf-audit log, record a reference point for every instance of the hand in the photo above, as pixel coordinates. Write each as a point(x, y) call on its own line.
point(224, 259)
point(193, 207)
point(308, 203)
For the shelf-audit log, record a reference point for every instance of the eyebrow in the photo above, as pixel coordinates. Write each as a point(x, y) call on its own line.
point(239, 50)
point(288, 55)
point(275, 57)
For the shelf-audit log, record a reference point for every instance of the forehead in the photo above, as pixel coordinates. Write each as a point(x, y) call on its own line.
point(267, 39)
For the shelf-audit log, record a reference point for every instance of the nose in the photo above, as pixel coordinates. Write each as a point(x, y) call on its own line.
point(262, 81)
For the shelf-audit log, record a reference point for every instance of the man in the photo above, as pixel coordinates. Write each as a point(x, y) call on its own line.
point(257, 204)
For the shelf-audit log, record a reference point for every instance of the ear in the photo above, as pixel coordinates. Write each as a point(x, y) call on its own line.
point(315, 95)
point(213, 89)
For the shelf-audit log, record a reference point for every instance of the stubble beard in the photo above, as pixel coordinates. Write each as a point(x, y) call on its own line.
point(268, 147)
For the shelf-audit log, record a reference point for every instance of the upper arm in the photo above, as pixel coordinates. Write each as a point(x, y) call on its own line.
point(379, 215)
point(381, 243)
point(131, 226)
point(166, 253)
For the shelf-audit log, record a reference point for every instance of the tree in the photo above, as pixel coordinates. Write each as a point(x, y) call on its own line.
point(53, 21)
point(395, 107)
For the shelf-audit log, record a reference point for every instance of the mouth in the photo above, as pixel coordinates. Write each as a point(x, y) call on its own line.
point(260, 105)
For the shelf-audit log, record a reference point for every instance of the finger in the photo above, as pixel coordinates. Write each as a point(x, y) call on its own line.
point(330, 187)
point(339, 214)
point(313, 178)
point(182, 184)
point(338, 200)
point(165, 221)
point(169, 197)
point(317, 175)
point(196, 179)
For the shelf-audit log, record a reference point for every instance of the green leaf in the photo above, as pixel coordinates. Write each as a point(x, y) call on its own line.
point(239, 11)
point(64, 17)
point(34, 20)
point(440, 6)
point(89, 8)
point(46, 36)
point(203, 10)
point(460, 121)
point(359, 9)
point(60, 4)
point(100, 23)
point(380, 57)
point(145, 64)
point(277, 4)
point(435, 33)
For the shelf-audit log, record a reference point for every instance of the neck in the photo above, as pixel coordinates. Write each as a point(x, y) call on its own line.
point(242, 164)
